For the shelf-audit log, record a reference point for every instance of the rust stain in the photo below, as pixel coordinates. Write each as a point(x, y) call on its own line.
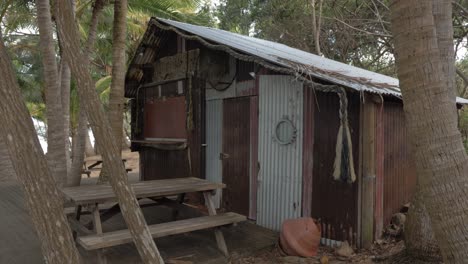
point(399, 169)
point(334, 203)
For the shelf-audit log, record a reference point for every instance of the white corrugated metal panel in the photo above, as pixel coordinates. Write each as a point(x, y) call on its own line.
point(280, 176)
point(214, 142)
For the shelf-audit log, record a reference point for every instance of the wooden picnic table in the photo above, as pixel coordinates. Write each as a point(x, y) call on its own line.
point(97, 162)
point(91, 196)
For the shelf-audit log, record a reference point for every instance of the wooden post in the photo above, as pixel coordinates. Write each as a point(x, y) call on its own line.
point(98, 229)
point(218, 234)
point(308, 151)
point(368, 130)
point(77, 218)
point(379, 180)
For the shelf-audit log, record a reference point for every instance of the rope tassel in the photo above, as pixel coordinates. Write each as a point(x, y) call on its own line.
point(344, 162)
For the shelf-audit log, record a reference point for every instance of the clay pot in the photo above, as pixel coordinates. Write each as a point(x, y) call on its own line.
point(300, 237)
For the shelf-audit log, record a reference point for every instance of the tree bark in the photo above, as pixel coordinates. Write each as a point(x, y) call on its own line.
point(316, 24)
point(419, 238)
point(54, 111)
point(116, 96)
point(41, 195)
point(79, 144)
point(65, 85)
point(89, 149)
point(101, 128)
point(7, 173)
point(441, 160)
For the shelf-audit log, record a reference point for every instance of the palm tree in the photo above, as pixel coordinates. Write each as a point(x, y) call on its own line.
point(101, 127)
point(55, 118)
point(41, 195)
point(423, 38)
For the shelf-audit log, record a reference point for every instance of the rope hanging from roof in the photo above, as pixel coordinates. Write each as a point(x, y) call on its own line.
point(344, 162)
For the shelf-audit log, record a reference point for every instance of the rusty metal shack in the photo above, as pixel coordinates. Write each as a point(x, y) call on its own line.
point(263, 118)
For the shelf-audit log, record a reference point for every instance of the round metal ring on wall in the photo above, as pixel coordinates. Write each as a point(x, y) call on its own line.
point(285, 131)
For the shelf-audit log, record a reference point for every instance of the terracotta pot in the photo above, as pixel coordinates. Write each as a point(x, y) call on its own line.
point(300, 237)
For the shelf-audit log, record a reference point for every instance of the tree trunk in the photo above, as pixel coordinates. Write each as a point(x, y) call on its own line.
point(65, 84)
point(89, 149)
point(55, 123)
point(441, 160)
point(116, 96)
point(316, 24)
point(125, 141)
point(7, 173)
point(131, 211)
point(80, 140)
point(78, 149)
point(41, 195)
point(419, 237)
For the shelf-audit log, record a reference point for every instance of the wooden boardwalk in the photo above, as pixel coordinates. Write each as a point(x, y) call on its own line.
point(18, 243)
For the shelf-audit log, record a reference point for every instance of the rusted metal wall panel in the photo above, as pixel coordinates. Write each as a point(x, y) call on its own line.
point(399, 168)
point(308, 150)
point(214, 141)
point(189, 162)
point(165, 118)
point(236, 155)
point(334, 203)
point(156, 164)
point(280, 175)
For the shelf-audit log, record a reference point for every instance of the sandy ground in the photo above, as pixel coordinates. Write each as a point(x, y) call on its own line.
point(133, 162)
point(247, 242)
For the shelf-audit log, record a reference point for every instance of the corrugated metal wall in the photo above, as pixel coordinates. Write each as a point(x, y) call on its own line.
point(214, 141)
point(280, 175)
point(156, 164)
point(399, 168)
point(334, 203)
point(236, 155)
point(165, 118)
point(163, 164)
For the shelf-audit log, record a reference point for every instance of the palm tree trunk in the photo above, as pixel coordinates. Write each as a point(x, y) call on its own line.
point(101, 128)
point(441, 160)
point(78, 149)
point(116, 96)
point(89, 149)
point(7, 173)
point(41, 195)
point(65, 84)
point(54, 111)
point(419, 238)
point(79, 144)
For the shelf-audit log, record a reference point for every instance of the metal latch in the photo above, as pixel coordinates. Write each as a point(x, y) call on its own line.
point(224, 156)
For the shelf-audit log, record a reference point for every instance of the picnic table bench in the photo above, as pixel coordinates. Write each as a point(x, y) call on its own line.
point(91, 196)
point(87, 169)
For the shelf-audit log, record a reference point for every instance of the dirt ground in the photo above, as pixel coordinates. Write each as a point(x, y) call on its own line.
point(388, 250)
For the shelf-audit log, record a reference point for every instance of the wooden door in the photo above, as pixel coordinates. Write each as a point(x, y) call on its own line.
point(236, 155)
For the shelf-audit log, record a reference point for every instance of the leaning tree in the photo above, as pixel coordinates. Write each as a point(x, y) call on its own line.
point(423, 36)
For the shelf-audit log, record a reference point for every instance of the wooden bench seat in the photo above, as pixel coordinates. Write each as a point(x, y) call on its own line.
point(109, 239)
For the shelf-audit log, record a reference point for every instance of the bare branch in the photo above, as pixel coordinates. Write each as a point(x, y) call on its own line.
point(360, 30)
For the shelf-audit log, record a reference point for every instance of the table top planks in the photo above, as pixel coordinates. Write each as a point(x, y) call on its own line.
point(91, 194)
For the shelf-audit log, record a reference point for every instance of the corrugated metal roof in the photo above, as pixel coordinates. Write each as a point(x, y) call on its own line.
point(311, 64)
point(283, 55)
